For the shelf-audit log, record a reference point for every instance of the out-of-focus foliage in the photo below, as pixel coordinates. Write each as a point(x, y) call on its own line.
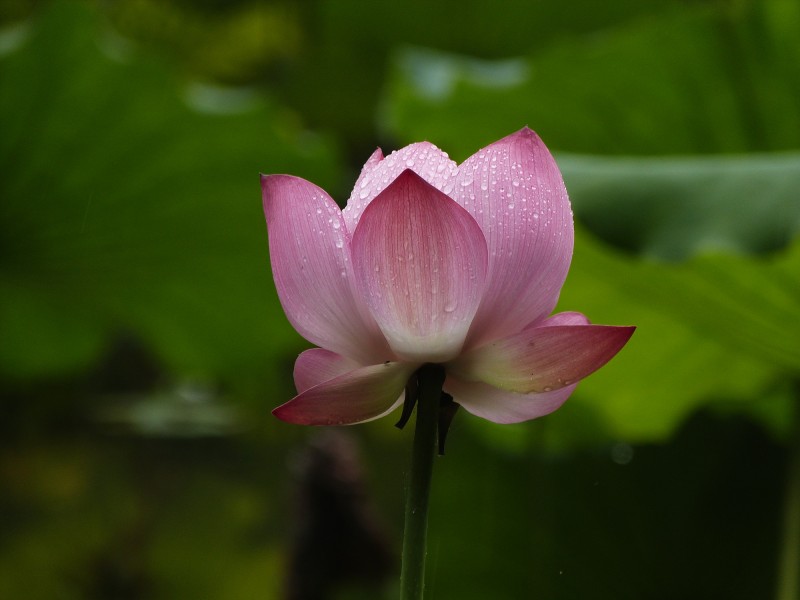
point(130, 206)
point(700, 80)
point(339, 50)
point(142, 344)
point(227, 42)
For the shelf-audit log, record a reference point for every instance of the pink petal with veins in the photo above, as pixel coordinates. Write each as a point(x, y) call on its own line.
point(357, 396)
point(317, 366)
point(541, 359)
point(369, 166)
point(420, 261)
point(514, 190)
point(502, 406)
point(425, 159)
point(565, 318)
point(310, 254)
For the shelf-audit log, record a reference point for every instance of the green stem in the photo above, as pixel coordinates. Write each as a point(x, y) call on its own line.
point(412, 577)
point(789, 567)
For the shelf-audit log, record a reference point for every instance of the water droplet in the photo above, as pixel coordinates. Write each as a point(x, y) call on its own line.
point(336, 224)
point(466, 182)
point(510, 206)
point(319, 211)
point(449, 307)
point(363, 194)
point(515, 182)
point(410, 162)
point(339, 243)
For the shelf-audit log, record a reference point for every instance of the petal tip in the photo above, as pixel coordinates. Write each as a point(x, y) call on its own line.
point(376, 157)
point(284, 414)
point(528, 135)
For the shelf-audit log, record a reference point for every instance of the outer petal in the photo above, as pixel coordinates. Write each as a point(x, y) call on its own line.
point(501, 406)
point(357, 396)
point(420, 260)
point(317, 365)
point(310, 254)
point(542, 359)
point(425, 159)
point(514, 190)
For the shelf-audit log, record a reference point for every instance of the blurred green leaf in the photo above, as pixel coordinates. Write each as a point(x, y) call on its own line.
point(129, 207)
point(675, 208)
point(717, 328)
point(701, 80)
point(350, 46)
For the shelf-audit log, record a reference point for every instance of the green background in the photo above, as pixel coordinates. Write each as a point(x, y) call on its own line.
point(142, 344)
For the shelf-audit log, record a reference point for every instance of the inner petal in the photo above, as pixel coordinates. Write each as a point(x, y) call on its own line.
point(420, 261)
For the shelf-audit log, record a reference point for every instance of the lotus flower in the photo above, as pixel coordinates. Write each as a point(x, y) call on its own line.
point(433, 262)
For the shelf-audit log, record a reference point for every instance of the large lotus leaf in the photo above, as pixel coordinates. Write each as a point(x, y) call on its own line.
point(699, 81)
point(349, 47)
point(674, 208)
point(717, 328)
point(131, 207)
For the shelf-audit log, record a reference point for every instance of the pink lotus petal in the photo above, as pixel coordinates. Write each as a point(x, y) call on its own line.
point(310, 254)
point(514, 190)
point(501, 406)
point(317, 366)
point(420, 260)
point(357, 396)
point(373, 161)
point(542, 359)
point(565, 318)
point(425, 159)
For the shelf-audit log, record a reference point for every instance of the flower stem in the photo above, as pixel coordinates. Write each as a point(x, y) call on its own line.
point(789, 566)
point(412, 577)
